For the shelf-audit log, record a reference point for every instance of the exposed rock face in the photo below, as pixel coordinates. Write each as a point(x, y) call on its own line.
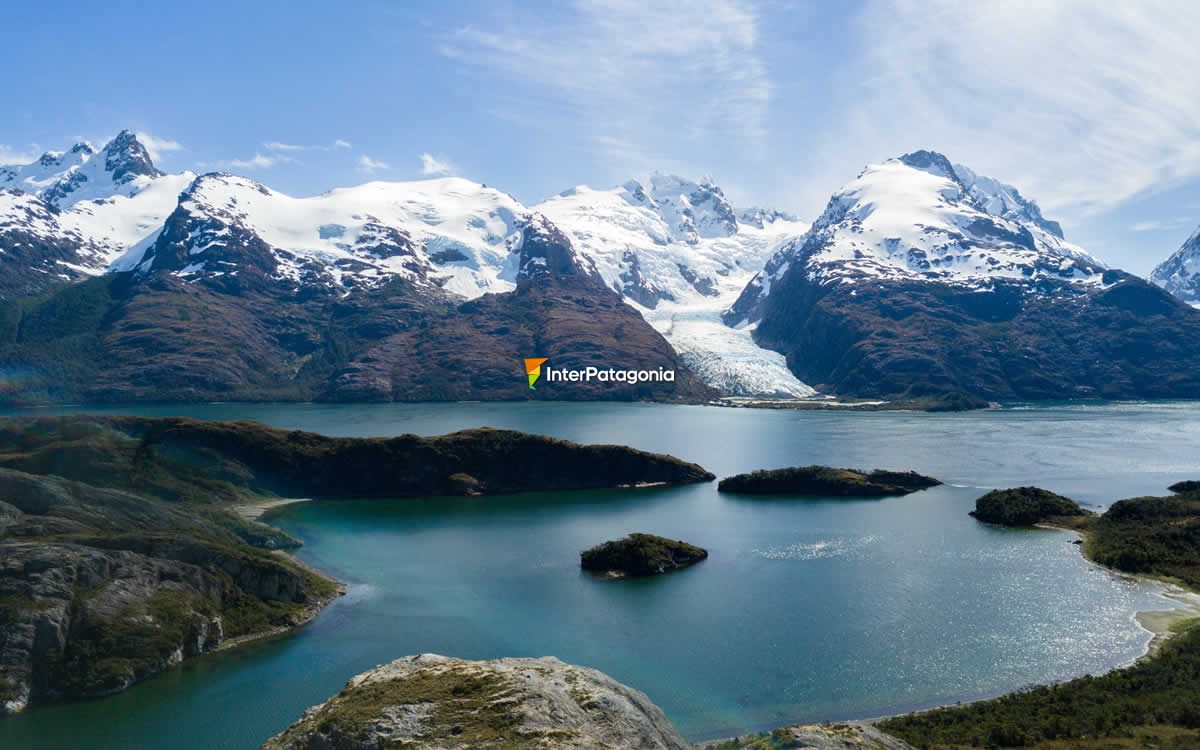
point(560, 309)
point(1180, 273)
point(1024, 506)
point(641, 555)
point(101, 588)
point(825, 481)
point(38, 252)
point(431, 701)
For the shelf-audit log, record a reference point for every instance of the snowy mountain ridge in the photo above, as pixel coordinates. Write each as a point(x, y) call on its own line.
point(920, 218)
point(1179, 274)
point(103, 201)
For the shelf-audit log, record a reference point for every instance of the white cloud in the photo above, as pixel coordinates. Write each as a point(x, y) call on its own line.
point(10, 155)
point(431, 165)
point(1160, 225)
point(367, 164)
point(1082, 105)
point(156, 146)
point(648, 82)
point(258, 161)
point(286, 148)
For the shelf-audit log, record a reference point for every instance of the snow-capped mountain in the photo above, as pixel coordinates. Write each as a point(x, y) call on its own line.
point(680, 253)
point(924, 280)
point(448, 233)
point(673, 249)
point(93, 204)
point(920, 218)
point(1180, 273)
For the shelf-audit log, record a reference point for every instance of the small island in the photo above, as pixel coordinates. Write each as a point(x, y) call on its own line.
point(826, 481)
point(1024, 506)
point(1185, 487)
point(640, 555)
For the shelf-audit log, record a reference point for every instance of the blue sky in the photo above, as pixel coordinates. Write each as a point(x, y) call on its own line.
point(1089, 109)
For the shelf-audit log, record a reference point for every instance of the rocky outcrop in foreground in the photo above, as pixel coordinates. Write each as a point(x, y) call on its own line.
point(854, 736)
point(640, 555)
point(430, 701)
point(1024, 506)
point(825, 481)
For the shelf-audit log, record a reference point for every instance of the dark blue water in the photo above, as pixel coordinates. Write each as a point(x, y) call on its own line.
point(806, 609)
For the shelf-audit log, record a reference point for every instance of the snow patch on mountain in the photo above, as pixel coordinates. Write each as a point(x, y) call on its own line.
point(107, 200)
point(450, 232)
point(1180, 273)
point(918, 218)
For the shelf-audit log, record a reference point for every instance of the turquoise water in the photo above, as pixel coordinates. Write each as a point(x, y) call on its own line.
point(806, 609)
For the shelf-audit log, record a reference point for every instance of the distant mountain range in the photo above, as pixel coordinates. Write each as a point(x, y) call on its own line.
point(920, 279)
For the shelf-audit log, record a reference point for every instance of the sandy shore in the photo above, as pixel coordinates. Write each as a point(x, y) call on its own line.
point(1163, 624)
point(256, 510)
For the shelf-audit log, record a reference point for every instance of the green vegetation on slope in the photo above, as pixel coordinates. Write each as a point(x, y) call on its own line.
point(826, 481)
point(1023, 506)
point(641, 555)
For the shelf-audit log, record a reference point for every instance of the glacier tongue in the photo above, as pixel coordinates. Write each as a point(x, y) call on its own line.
point(677, 252)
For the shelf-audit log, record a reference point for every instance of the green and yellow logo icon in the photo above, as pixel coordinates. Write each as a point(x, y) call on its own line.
point(533, 369)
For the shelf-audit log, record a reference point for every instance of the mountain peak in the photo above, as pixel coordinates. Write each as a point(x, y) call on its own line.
point(920, 218)
point(692, 210)
point(930, 161)
point(126, 157)
point(1180, 273)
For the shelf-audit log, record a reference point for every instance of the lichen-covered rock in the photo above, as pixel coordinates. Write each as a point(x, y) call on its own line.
point(430, 701)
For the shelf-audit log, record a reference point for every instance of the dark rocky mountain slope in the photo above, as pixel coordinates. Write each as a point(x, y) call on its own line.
point(211, 311)
point(918, 281)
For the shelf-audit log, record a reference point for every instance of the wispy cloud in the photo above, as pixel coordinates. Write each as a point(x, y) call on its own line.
point(10, 155)
point(650, 82)
point(156, 146)
point(258, 161)
point(1162, 225)
point(433, 166)
point(367, 164)
point(281, 147)
point(1082, 105)
point(284, 147)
